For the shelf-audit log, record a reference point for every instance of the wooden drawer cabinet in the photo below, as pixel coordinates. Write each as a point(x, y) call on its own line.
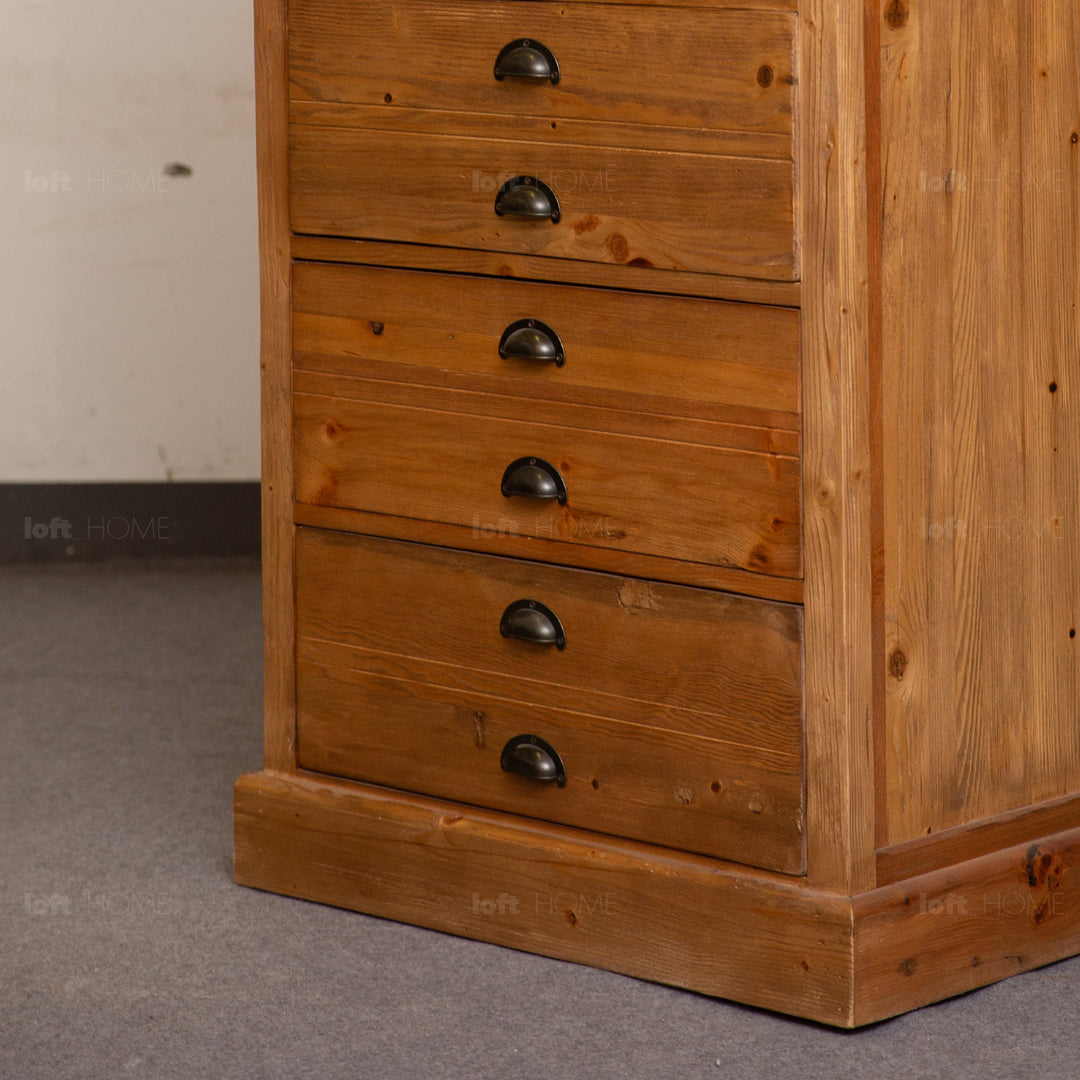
point(669, 495)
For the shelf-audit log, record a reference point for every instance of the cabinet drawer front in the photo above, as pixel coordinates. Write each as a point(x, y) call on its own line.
point(676, 211)
point(676, 711)
point(694, 794)
point(652, 496)
point(732, 363)
point(729, 71)
point(684, 659)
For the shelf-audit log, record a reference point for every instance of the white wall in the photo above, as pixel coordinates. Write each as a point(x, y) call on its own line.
point(128, 299)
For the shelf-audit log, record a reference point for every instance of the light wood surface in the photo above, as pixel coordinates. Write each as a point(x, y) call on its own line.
point(271, 107)
point(633, 908)
point(731, 363)
point(945, 933)
point(981, 439)
point(836, 448)
point(545, 268)
point(675, 211)
point(445, 462)
point(926, 854)
point(552, 550)
point(683, 659)
point(579, 896)
point(741, 803)
point(555, 409)
point(724, 70)
point(541, 129)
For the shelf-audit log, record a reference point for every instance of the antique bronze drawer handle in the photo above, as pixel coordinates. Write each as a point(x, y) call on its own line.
point(529, 620)
point(527, 197)
point(526, 59)
point(533, 478)
point(528, 339)
point(532, 757)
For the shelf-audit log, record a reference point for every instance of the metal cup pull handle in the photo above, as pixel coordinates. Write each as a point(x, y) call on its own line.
point(529, 620)
point(533, 478)
point(530, 339)
point(526, 59)
point(527, 197)
point(532, 757)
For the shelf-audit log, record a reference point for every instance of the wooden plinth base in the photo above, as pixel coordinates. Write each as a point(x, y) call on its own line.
point(716, 928)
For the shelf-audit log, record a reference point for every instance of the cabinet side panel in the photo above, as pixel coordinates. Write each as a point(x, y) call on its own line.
point(981, 345)
point(274, 265)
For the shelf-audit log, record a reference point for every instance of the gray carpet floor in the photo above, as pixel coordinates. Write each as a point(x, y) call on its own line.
point(131, 702)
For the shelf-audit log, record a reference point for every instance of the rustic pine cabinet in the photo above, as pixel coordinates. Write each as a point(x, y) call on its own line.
point(672, 484)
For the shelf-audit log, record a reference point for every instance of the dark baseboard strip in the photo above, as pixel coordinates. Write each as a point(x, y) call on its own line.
point(95, 522)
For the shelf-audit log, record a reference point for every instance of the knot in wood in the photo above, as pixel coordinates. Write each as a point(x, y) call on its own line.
point(896, 14)
point(898, 663)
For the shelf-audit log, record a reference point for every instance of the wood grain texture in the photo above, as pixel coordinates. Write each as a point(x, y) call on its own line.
point(444, 460)
point(597, 133)
point(981, 440)
point(558, 410)
point(676, 211)
point(542, 268)
point(271, 104)
point(872, 23)
point(725, 70)
point(736, 364)
point(676, 658)
point(940, 850)
point(549, 549)
point(836, 447)
point(549, 889)
point(633, 908)
point(951, 931)
point(933, 215)
point(740, 803)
